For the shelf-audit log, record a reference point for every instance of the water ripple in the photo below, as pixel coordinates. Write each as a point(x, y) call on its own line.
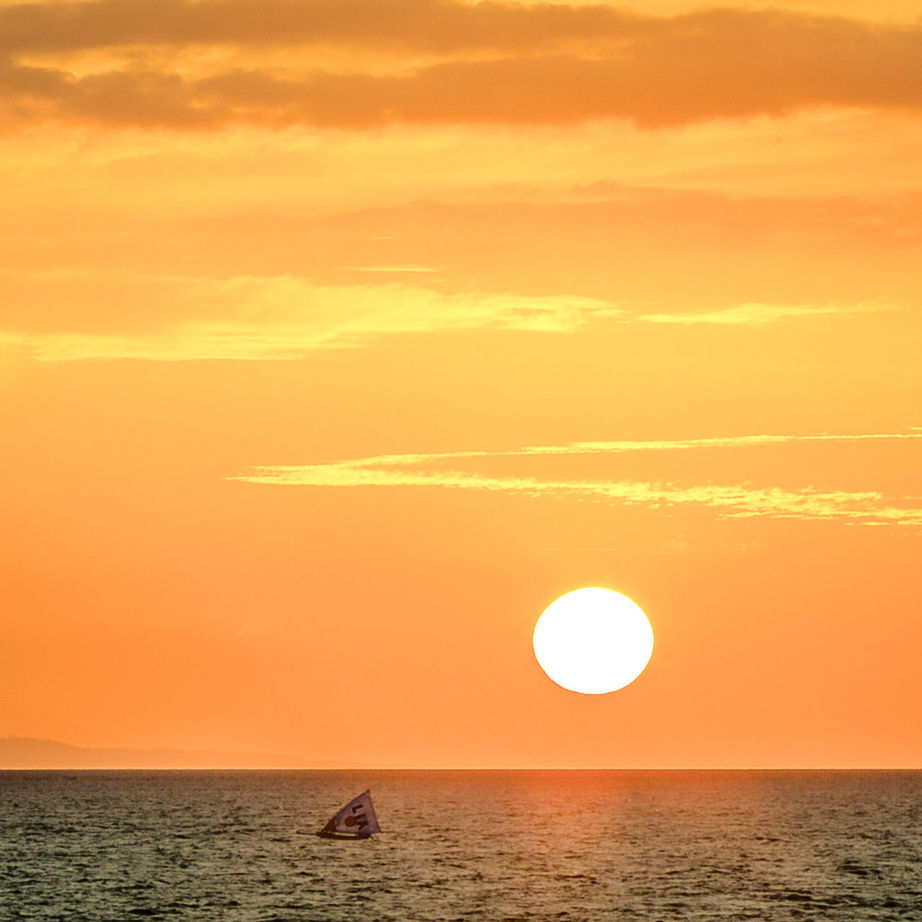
point(463, 847)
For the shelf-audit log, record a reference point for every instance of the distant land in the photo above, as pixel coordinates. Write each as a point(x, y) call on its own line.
point(22, 752)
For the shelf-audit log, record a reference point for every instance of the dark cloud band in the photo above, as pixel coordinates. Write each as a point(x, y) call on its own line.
point(427, 25)
point(654, 72)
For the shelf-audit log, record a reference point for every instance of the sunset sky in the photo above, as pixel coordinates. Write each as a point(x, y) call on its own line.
point(340, 337)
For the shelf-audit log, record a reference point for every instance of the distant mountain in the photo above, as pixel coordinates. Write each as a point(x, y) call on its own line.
point(23, 752)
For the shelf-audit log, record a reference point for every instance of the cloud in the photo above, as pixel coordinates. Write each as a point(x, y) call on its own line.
point(733, 501)
point(757, 313)
point(495, 63)
point(284, 317)
point(188, 318)
point(419, 25)
point(418, 270)
point(737, 441)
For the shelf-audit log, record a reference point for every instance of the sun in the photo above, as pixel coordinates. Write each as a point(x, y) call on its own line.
point(593, 641)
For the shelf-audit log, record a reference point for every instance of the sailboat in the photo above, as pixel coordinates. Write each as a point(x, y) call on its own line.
point(356, 820)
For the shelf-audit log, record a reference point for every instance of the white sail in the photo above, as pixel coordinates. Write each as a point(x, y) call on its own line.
point(357, 820)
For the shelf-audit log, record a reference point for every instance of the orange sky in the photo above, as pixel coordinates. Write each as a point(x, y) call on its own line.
point(338, 339)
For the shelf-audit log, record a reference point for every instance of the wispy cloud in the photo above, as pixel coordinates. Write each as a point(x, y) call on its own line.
point(187, 318)
point(285, 317)
point(736, 441)
point(737, 500)
point(412, 270)
point(757, 313)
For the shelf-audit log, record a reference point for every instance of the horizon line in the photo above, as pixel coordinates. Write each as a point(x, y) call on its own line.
point(282, 768)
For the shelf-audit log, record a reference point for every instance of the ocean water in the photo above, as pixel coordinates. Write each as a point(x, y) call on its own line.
point(582, 846)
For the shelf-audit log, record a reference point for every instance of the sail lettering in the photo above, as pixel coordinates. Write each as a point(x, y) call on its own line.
point(356, 819)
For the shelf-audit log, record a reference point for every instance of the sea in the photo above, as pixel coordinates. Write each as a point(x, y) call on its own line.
point(460, 846)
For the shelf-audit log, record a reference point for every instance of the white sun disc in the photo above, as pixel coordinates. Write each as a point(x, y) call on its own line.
point(593, 641)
